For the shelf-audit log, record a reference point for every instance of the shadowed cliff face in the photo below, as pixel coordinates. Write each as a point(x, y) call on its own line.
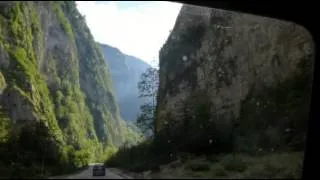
point(236, 80)
point(125, 71)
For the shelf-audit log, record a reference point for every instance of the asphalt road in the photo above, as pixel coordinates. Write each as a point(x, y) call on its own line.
point(111, 173)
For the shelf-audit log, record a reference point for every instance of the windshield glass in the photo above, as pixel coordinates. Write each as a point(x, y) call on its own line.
point(150, 90)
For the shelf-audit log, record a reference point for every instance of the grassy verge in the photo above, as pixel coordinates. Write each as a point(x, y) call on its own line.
point(36, 170)
point(145, 160)
point(277, 165)
point(137, 158)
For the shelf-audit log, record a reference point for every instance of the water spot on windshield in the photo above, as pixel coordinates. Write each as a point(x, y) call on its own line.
point(184, 58)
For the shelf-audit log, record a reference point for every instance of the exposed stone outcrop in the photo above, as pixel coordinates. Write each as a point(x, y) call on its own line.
point(235, 64)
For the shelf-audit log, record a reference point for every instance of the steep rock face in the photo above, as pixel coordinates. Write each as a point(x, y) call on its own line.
point(53, 74)
point(125, 71)
point(234, 80)
point(3, 83)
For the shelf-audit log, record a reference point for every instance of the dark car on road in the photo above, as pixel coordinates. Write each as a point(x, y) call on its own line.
point(98, 170)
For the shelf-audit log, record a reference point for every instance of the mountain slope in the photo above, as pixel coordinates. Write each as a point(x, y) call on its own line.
point(57, 97)
point(125, 71)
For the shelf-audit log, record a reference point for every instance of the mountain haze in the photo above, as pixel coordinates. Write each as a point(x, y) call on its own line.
point(125, 72)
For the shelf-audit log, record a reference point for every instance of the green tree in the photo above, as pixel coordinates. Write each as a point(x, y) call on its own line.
point(148, 87)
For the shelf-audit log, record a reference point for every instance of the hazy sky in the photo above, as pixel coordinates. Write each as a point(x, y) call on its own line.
point(137, 28)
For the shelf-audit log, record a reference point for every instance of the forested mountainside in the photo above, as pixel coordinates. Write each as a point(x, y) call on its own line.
point(125, 72)
point(57, 103)
point(238, 81)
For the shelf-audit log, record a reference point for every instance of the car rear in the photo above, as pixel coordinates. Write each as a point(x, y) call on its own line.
point(98, 170)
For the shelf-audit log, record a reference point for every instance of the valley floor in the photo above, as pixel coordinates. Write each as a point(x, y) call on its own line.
point(111, 173)
point(277, 165)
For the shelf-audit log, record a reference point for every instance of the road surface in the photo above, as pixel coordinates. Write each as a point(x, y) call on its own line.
point(111, 173)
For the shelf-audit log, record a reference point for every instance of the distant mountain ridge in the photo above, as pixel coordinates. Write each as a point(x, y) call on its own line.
point(125, 72)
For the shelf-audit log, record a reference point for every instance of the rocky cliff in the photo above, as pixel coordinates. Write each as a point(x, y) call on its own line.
point(55, 87)
point(231, 81)
point(125, 71)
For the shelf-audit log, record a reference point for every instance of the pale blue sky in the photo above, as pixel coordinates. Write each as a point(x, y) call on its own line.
point(137, 28)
